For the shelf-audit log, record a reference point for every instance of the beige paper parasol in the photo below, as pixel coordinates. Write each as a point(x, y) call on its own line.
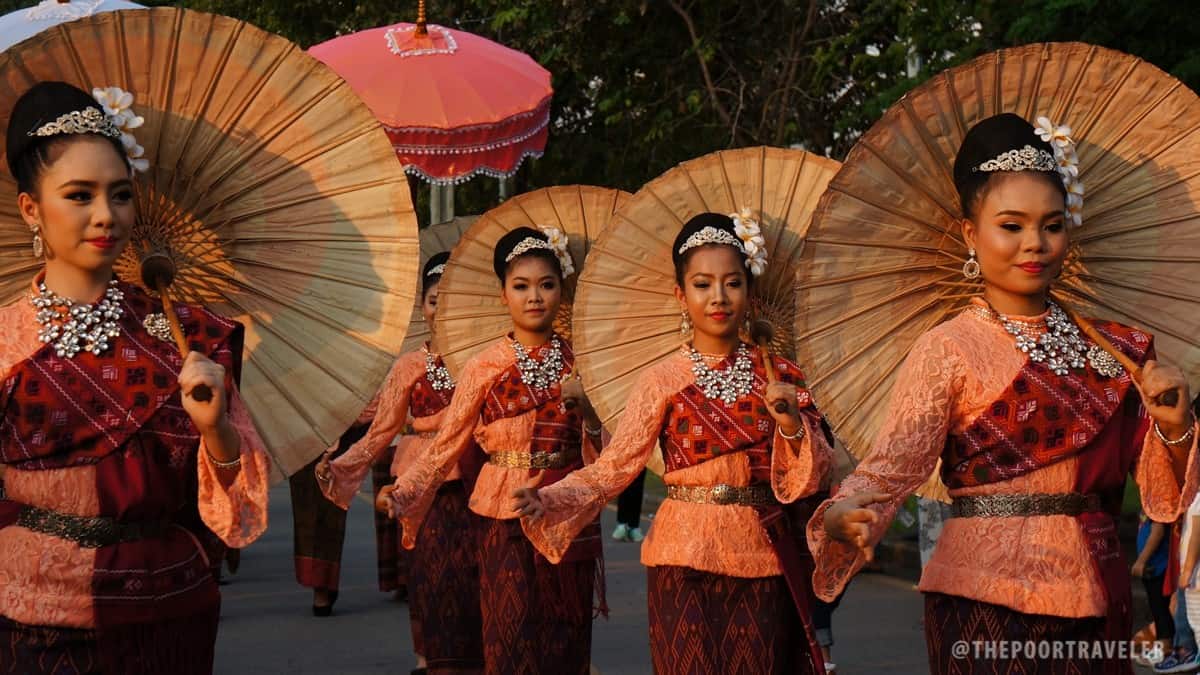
point(470, 315)
point(626, 316)
point(272, 188)
point(885, 254)
point(434, 239)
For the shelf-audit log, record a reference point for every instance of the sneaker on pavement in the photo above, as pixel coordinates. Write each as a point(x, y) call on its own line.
point(635, 535)
point(1178, 663)
point(621, 533)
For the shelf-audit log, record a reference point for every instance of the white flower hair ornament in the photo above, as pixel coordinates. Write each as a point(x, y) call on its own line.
point(118, 106)
point(558, 243)
point(753, 243)
point(1059, 138)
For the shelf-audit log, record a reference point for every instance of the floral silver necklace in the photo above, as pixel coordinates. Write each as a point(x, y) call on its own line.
point(439, 378)
point(727, 384)
point(1060, 346)
point(73, 327)
point(540, 373)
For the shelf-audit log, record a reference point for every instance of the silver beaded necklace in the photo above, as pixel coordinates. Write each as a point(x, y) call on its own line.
point(73, 327)
point(439, 378)
point(727, 384)
point(539, 373)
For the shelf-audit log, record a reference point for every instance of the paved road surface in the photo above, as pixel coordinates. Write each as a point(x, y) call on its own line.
point(267, 626)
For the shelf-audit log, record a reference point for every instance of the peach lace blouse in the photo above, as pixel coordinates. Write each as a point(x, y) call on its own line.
point(45, 580)
point(721, 539)
point(492, 497)
point(390, 412)
point(1034, 564)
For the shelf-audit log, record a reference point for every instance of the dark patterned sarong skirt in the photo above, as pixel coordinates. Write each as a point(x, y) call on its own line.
point(182, 646)
point(713, 623)
point(537, 617)
point(969, 637)
point(444, 595)
point(319, 525)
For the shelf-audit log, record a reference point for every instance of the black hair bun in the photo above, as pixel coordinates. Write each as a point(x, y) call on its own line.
point(696, 224)
point(434, 260)
point(509, 242)
point(41, 105)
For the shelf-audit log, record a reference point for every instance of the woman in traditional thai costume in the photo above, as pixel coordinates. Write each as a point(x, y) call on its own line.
point(116, 468)
point(444, 598)
point(511, 400)
point(727, 566)
point(319, 527)
point(1036, 426)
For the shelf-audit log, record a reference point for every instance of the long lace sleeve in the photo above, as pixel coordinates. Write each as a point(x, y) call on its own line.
point(575, 501)
point(1165, 494)
point(237, 513)
point(417, 487)
point(797, 467)
point(904, 454)
point(348, 470)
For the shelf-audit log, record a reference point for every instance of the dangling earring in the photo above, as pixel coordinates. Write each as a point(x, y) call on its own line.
point(685, 324)
point(971, 267)
point(38, 247)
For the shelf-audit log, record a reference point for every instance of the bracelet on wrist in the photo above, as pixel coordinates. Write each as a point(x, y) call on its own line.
point(592, 432)
point(1185, 438)
point(796, 436)
point(231, 464)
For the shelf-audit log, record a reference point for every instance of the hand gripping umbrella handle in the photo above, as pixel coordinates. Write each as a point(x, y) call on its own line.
point(761, 331)
point(200, 392)
point(1168, 398)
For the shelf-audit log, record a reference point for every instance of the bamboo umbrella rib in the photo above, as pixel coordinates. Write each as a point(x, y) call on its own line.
point(1130, 167)
point(1140, 227)
point(857, 313)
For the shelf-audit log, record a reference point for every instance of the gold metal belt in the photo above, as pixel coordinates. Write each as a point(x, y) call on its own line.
point(534, 460)
point(1005, 506)
point(723, 495)
point(88, 531)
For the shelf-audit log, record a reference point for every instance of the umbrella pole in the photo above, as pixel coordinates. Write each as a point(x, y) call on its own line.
point(1167, 398)
point(762, 332)
point(158, 272)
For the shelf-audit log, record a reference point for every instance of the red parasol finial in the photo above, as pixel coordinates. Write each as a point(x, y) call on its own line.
point(421, 30)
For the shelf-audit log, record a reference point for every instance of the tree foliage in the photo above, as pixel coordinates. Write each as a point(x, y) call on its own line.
point(641, 85)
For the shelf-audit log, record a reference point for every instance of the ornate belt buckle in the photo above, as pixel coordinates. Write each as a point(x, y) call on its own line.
point(722, 494)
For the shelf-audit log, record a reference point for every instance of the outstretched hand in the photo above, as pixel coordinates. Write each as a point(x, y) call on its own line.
point(526, 502)
point(850, 521)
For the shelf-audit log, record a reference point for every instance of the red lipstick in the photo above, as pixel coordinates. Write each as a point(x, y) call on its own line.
point(104, 243)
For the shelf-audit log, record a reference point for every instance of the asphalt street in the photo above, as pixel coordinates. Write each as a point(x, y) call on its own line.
point(267, 625)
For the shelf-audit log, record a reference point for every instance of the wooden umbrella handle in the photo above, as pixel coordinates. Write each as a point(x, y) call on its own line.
point(571, 403)
point(200, 392)
point(780, 406)
point(1168, 398)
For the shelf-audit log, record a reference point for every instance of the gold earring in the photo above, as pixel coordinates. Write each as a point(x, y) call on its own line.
point(685, 324)
point(38, 246)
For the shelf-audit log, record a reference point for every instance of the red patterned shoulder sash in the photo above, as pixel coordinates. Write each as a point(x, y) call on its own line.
point(698, 429)
point(424, 400)
point(1042, 418)
point(69, 411)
